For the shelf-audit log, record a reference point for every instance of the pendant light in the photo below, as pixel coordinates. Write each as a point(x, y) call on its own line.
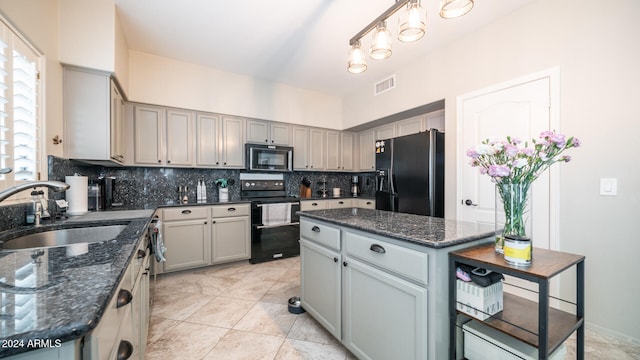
point(357, 62)
point(450, 9)
point(412, 22)
point(381, 42)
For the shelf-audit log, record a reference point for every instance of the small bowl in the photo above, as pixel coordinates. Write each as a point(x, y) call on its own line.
point(294, 305)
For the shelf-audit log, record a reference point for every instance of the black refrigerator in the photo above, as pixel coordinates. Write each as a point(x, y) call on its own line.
point(410, 174)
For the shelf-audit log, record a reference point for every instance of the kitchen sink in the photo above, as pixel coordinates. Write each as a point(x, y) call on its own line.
point(64, 237)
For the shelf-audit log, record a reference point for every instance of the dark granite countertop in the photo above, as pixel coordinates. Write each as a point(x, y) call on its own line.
point(422, 230)
point(60, 293)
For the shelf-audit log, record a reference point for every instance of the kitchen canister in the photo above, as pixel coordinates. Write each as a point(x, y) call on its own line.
point(517, 250)
point(77, 195)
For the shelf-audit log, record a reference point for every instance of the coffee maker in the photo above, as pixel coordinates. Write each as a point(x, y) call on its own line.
point(355, 186)
point(101, 193)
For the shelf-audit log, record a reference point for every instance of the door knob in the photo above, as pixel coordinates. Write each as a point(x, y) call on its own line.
point(468, 202)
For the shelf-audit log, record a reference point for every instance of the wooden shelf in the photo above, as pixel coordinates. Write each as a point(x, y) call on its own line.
point(521, 318)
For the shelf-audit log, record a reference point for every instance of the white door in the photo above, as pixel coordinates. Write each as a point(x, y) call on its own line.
point(521, 108)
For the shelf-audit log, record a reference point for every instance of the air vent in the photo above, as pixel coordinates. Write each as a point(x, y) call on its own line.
point(384, 85)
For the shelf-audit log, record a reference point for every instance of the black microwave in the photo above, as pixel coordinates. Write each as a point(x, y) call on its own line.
point(269, 157)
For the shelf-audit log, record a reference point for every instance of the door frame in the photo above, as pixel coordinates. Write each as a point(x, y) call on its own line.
point(554, 120)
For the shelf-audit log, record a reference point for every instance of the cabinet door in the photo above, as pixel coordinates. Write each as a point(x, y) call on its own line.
point(147, 131)
point(233, 142)
point(117, 125)
point(410, 126)
point(257, 131)
point(367, 150)
point(207, 142)
point(321, 285)
point(385, 317)
point(385, 132)
point(231, 239)
point(333, 150)
point(179, 138)
point(300, 143)
point(316, 149)
point(280, 134)
point(346, 147)
point(188, 244)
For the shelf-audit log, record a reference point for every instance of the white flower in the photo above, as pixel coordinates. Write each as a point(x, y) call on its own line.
point(483, 149)
point(520, 163)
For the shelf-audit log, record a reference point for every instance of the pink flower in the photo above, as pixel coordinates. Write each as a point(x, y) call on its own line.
point(566, 158)
point(527, 151)
point(472, 154)
point(576, 142)
point(558, 139)
point(499, 170)
point(511, 150)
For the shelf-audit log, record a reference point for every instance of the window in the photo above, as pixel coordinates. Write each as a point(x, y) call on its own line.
point(20, 128)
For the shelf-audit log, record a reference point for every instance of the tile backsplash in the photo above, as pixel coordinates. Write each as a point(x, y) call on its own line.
point(149, 187)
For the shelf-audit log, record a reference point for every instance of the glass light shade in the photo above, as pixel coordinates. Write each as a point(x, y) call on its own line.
point(450, 9)
point(357, 62)
point(381, 43)
point(412, 22)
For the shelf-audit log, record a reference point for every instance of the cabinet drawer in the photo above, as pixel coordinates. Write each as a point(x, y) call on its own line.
point(230, 210)
point(406, 262)
point(313, 205)
point(185, 213)
point(339, 203)
point(320, 233)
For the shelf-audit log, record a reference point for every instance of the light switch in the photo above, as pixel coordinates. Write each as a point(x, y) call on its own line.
point(608, 186)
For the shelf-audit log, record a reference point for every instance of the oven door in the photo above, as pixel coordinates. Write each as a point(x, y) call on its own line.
point(271, 242)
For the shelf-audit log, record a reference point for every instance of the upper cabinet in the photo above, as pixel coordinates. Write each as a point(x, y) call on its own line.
point(267, 132)
point(93, 117)
point(162, 137)
point(339, 151)
point(232, 142)
point(207, 140)
point(308, 148)
point(367, 150)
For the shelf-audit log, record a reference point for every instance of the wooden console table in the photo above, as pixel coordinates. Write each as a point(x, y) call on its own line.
point(551, 327)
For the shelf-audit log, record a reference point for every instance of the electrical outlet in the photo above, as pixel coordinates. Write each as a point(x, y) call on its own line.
point(608, 186)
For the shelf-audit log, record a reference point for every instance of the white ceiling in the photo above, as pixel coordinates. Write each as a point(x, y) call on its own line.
point(301, 43)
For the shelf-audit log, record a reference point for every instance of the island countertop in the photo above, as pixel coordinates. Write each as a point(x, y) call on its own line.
point(421, 230)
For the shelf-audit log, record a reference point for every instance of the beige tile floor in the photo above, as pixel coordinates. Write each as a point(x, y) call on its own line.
point(239, 311)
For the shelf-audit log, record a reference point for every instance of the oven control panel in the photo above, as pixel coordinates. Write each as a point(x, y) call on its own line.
point(262, 185)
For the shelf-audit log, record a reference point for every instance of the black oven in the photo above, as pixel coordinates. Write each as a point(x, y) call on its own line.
point(274, 241)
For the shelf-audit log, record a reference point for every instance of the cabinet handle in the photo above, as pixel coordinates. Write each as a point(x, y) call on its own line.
point(341, 202)
point(186, 212)
point(125, 349)
point(124, 298)
point(225, 163)
point(213, 222)
point(315, 229)
point(217, 162)
point(205, 223)
point(335, 259)
point(159, 161)
point(314, 204)
point(344, 263)
point(168, 161)
point(141, 253)
point(377, 248)
point(368, 202)
point(231, 209)
point(266, 140)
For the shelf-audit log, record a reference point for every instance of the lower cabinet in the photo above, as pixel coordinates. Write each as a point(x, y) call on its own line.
point(198, 236)
point(321, 285)
point(384, 316)
point(322, 204)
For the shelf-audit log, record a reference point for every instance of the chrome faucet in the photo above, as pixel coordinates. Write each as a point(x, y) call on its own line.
point(56, 186)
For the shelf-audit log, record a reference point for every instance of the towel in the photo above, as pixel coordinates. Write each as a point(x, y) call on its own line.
point(276, 214)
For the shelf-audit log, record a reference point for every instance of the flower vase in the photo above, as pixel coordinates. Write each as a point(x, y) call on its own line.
point(512, 219)
point(223, 194)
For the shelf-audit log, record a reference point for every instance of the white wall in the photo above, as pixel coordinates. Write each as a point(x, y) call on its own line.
point(169, 82)
point(596, 48)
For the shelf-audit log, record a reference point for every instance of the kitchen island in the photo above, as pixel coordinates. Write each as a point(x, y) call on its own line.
point(378, 280)
point(55, 296)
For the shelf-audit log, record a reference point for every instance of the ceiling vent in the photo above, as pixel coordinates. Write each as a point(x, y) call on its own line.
point(384, 85)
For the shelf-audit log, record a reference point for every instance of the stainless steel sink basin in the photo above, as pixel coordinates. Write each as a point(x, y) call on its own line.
point(64, 237)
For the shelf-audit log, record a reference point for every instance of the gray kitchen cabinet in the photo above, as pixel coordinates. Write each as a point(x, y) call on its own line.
point(367, 150)
point(347, 153)
point(232, 142)
point(179, 135)
point(321, 285)
point(313, 205)
point(364, 203)
point(385, 131)
point(207, 140)
point(268, 132)
point(93, 117)
point(308, 148)
point(231, 236)
point(334, 152)
point(148, 135)
point(339, 203)
point(187, 237)
point(378, 303)
point(410, 126)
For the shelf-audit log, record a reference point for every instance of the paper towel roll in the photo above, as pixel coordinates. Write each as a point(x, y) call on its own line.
point(77, 195)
